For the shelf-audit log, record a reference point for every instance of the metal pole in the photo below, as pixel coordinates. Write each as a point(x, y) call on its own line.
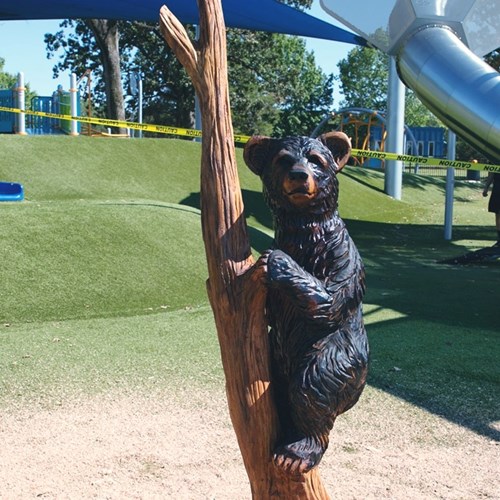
point(21, 104)
point(139, 85)
point(395, 131)
point(450, 184)
point(73, 103)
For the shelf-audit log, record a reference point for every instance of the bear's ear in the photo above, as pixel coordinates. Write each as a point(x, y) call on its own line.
point(256, 153)
point(340, 146)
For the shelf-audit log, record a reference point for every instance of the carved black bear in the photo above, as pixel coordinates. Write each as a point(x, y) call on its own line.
point(316, 284)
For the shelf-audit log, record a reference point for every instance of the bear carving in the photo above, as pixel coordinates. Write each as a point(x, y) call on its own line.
point(316, 282)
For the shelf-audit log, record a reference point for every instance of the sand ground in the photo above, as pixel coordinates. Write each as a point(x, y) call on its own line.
point(183, 447)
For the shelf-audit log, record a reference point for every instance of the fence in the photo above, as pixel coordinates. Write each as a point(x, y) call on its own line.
point(58, 103)
point(7, 120)
point(436, 171)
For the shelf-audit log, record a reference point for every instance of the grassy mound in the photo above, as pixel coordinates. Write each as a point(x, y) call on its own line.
point(99, 259)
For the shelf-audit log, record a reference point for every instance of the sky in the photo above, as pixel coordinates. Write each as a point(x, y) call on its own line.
point(22, 47)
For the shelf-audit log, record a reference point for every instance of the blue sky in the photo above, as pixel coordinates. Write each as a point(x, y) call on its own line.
point(22, 47)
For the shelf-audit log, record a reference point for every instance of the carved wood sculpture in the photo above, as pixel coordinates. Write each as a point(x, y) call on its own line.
point(237, 288)
point(316, 283)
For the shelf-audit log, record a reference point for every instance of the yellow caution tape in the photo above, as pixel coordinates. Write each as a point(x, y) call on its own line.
point(187, 132)
point(160, 129)
point(423, 160)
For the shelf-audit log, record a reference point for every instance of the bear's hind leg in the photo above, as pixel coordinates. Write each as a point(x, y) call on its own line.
point(310, 416)
point(300, 456)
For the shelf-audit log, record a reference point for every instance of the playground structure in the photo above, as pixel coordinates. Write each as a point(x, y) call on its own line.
point(367, 129)
point(358, 124)
point(71, 103)
point(60, 102)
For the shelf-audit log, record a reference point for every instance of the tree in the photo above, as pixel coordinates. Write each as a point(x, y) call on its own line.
point(7, 81)
point(493, 59)
point(416, 114)
point(168, 92)
point(363, 79)
point(93, 46)
point(298, 4)
point(275, 85)
point(106, 36)
point(364, 76)
point(235, 286)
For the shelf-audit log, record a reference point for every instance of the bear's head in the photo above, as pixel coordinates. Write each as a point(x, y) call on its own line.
point(299, 174)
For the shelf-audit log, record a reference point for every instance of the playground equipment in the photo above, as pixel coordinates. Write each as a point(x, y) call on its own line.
point(436, 44)
point(13, 98)
point(60, 102)
point(367, 130)
point(7, 120)
point(11, 191)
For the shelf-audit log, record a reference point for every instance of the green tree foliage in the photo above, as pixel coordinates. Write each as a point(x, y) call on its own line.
point(168, 92)
point(106, 35)
point(298, 4)
point(416, 114)
point(364, 77)
point(166, 87)
point(275, 86)
point(7, 81)
point(493, 59)
point(80, 55)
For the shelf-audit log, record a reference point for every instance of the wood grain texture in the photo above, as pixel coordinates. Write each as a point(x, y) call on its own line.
point(235, 285)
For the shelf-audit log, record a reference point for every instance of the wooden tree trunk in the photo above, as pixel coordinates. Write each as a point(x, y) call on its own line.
point(235, 286)
point(106, 36)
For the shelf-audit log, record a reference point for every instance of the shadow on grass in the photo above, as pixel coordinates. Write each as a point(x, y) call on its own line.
point(433, 328)
point(362, 176)
point(254, 206)
point(437, 342)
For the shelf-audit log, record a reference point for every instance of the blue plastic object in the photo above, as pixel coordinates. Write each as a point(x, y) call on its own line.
point(11, 191)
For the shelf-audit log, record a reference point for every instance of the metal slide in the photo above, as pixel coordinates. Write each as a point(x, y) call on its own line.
point(437, 45)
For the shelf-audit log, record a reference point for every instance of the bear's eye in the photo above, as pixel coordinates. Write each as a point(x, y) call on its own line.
point(317, 159)
point(285, 160)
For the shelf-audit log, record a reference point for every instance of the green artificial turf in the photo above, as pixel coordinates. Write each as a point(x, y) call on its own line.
point(86, 259)
point(46, 363)
point(103, 277)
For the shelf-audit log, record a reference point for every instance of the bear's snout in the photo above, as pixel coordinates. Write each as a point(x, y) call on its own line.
point(298, 173)
point(299, 185)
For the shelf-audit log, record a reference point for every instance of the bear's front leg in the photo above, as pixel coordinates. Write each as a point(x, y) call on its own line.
point(307, 293)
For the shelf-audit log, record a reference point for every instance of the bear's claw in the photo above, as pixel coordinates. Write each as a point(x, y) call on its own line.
point(299, 457)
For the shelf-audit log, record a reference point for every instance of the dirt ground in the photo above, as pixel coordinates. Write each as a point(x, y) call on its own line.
point(183, 447)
